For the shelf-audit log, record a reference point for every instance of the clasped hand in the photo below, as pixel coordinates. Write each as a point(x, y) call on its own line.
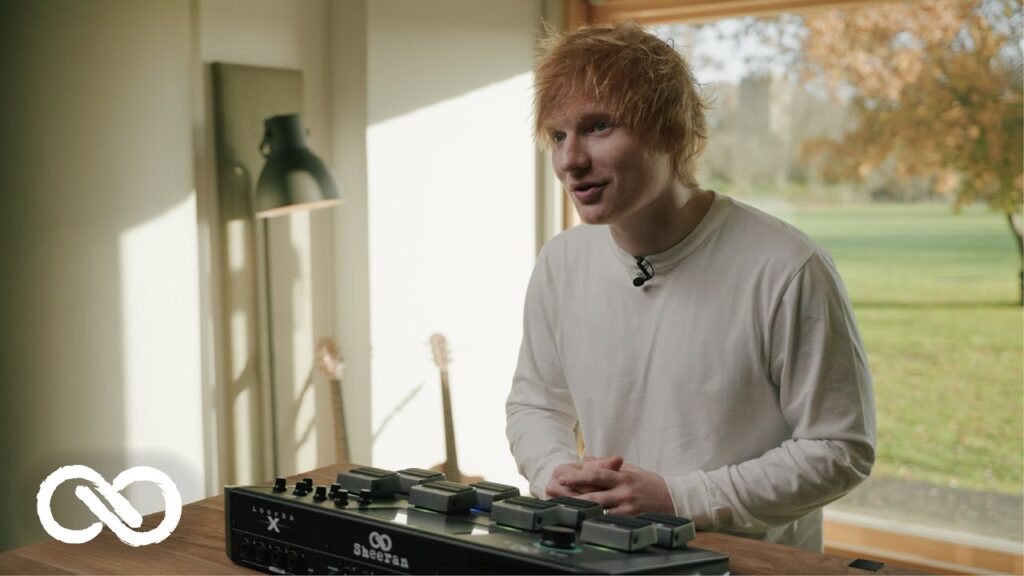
point(618, 487)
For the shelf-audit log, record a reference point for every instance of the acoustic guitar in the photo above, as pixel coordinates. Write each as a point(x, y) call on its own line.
point(329, 359)
point(450, 467)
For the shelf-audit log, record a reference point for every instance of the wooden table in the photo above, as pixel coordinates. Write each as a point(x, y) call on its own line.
point(197, 547)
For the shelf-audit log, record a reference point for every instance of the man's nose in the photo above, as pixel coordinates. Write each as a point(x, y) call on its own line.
point(572, 156)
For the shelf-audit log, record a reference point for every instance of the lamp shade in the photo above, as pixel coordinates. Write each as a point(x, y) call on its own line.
point(293, 178)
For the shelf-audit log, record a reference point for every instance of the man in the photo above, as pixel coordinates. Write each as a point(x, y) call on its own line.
point(707, 350)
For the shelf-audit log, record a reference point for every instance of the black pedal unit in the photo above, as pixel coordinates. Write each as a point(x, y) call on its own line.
point(366, 528)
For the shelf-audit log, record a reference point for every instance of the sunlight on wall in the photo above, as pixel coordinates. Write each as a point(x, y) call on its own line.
point(452, 207)
point(163, 394)
point(243, 399)
point(291, 296)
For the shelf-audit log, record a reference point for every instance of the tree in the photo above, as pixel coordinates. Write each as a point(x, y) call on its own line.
point(935, 87)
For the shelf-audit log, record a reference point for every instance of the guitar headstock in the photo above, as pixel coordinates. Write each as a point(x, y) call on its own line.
point(329, 359)
point(439, 345)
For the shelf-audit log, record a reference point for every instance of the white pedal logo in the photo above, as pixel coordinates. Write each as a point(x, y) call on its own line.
point(111, 492)
point(380, 541)
point(380, 551)
point(272, 524)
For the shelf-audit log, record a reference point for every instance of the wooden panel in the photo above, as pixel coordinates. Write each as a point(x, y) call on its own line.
point(918, 552)
point(577, 13)
point(656, 11)
point(755, 557)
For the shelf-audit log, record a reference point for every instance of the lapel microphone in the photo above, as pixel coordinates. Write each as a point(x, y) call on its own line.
point(646, 271)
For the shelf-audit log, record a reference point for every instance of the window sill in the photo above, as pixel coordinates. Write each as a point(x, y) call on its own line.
point(932, 550)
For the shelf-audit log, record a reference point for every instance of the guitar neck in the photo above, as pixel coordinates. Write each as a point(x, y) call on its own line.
point(340, 439)
point(451, 465)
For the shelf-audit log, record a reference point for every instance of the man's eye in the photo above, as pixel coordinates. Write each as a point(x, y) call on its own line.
point(557, 136)
point(599, 126)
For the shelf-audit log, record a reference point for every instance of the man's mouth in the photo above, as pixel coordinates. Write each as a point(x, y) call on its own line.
point(588, 192)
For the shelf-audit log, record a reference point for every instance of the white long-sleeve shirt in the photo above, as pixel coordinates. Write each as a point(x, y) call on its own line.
point(737, 372)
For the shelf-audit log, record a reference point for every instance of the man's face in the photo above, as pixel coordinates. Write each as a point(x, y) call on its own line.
point(605, 169)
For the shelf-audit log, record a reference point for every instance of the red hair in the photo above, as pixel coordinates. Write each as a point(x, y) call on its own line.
point(640, 79)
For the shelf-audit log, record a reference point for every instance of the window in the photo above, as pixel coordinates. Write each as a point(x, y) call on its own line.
point(891, 135)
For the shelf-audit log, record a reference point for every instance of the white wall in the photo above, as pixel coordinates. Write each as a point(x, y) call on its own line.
point(100, 353)
point(452, 221)
point(348, 64)
point(111, 350)
point(404, 87)
point(110, 295)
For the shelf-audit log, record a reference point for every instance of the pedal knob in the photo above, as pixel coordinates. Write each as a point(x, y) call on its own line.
point(341, 497)
point(365, 497)
point(321, 494)
point(280, 484)
point(558, 537)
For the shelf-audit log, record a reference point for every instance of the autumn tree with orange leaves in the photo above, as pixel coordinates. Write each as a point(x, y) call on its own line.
point(935, 87)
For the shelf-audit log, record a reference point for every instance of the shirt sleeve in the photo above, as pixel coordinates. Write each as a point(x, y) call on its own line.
point(818, 363)
point(539, 412)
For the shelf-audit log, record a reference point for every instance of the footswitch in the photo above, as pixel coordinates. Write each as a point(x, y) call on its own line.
point(626, 533)
point(378, 481)
point(573, 511)
point(412, 476)
point(487, 493)
point(673, 531)
point(443, 496)
point(525, 512)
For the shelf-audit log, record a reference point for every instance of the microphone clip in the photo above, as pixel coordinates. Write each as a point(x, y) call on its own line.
point(646, 271)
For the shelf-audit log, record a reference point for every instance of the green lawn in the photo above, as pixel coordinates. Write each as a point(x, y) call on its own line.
point(935, 295)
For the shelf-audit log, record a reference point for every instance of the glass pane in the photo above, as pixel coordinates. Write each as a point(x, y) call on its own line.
point(892, 136)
